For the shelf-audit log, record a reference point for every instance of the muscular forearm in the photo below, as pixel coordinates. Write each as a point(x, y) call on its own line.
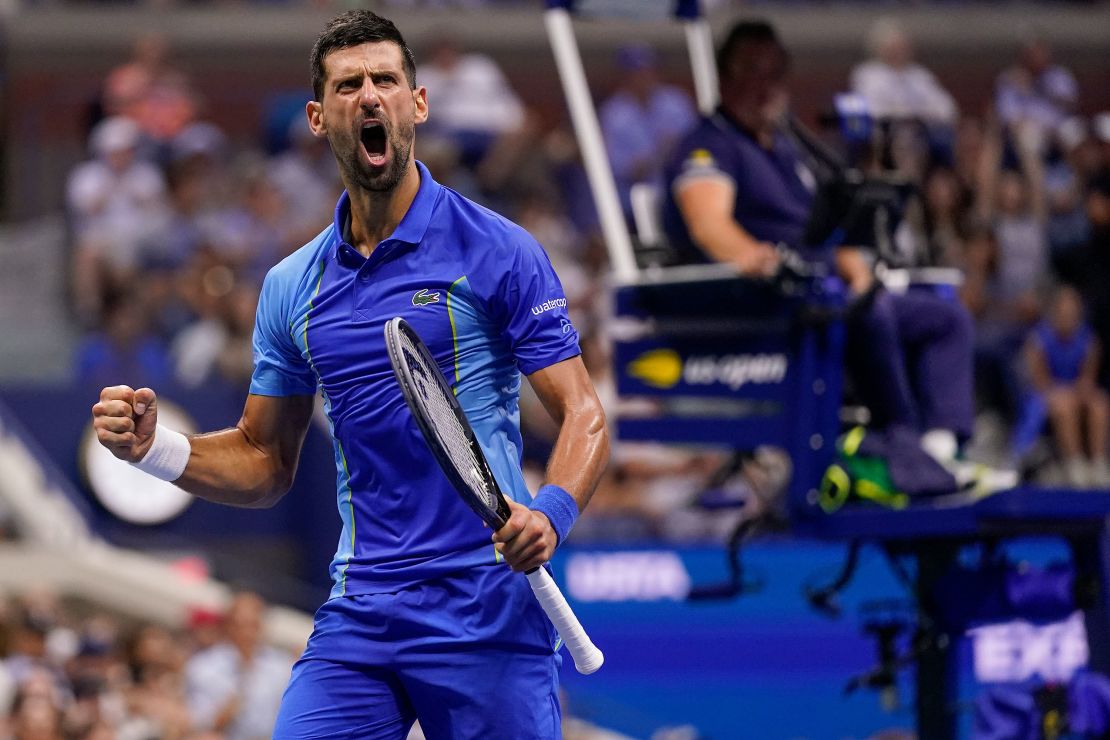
point(251, 465)
point(227, 467)
point(580, 455)
point(529, 537)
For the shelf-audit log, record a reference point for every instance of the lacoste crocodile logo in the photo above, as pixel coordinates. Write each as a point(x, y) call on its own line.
point(423, 298)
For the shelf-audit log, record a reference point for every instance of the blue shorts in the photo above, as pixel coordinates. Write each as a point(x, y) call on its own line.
point(471, 656)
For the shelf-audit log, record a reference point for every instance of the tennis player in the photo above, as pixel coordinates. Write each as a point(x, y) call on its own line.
point(426, 618)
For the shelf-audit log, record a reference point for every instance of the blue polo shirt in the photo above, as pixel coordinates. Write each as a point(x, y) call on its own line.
point(1065, 356)
point(773, 198)
point(482, 294)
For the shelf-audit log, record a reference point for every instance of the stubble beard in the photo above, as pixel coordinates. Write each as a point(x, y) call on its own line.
point(359, 174)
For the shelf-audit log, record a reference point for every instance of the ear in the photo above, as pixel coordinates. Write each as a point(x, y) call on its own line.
point(420, 98)
point(315, 112)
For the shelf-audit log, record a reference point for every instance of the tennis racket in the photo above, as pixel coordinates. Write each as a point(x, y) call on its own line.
point(452, 442)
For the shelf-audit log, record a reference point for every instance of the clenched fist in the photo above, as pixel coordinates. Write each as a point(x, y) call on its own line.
point(527, 540)
point(124, 420)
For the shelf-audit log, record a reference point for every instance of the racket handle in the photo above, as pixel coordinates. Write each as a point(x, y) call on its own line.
point(587, 658)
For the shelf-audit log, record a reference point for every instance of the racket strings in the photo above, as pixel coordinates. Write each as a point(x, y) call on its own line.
point(441, 414)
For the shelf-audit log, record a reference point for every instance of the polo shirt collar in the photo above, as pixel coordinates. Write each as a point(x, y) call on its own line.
point(415, 223)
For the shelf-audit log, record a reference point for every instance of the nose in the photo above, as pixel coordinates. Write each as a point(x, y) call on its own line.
point(369, 98)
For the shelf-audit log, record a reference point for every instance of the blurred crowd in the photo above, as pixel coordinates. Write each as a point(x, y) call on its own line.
point(1015, 197)
point(173, 227)
point(70, 671)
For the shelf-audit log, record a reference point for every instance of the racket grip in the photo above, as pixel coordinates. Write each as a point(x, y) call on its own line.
point(587, 658)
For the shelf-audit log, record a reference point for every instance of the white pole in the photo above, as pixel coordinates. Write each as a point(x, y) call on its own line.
point(703, 65)
point(568, 60)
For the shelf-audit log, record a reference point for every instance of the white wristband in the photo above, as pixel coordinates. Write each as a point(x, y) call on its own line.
point(168, 455)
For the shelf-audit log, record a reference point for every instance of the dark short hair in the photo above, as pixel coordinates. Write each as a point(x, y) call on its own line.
point(352, 28)
point(744, 34)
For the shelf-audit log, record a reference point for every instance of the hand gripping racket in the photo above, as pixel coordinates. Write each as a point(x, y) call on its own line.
point(452, 442)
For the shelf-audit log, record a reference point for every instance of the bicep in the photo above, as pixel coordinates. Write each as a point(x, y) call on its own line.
point(705, 201)
point(276, 425)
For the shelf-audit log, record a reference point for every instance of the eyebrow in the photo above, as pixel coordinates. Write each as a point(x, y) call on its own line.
point(357, 70)
point(357, 74)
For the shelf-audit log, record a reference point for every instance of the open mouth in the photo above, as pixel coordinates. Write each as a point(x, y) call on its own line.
point(373, 141)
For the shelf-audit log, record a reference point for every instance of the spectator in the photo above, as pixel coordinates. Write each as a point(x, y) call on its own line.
point(150, 91)
point(896, 86)
point(126, 85)
point(544, 220)
point(968, 151)
point(181, 235)
point(305, 177)
point(115, 202)
point(27, 658)
point(124, 348)
point(946, 217)
point(170, 255)
point(255, 232)
point(235, 687)
point(474, 103)
point(1066, 226)
point(903, 94)
point(1092, 264)
point(95, 676)
point(642, 120)
point(204, 628)
point(441, 156)
point(1034, 97)
point(155, 700)
point(1022, 245)
point(35, 717)
point(218, 346)
point(1062, 359)
point(153, 656)
point(1007, 268)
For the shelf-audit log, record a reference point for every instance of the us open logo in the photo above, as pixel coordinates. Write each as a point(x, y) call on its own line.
point(665, 368)
point(735, 371)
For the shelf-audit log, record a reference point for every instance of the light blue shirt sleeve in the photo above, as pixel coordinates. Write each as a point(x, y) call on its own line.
point(279, 367)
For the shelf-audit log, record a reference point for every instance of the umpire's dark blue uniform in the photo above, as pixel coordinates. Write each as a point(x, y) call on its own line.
point(909, 354)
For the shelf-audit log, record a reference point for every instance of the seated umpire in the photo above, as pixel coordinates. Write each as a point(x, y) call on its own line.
point(737, 186)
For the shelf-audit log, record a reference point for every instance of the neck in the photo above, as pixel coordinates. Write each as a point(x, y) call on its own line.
point(753, 122)
point(246, 652)
point(375, 215)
